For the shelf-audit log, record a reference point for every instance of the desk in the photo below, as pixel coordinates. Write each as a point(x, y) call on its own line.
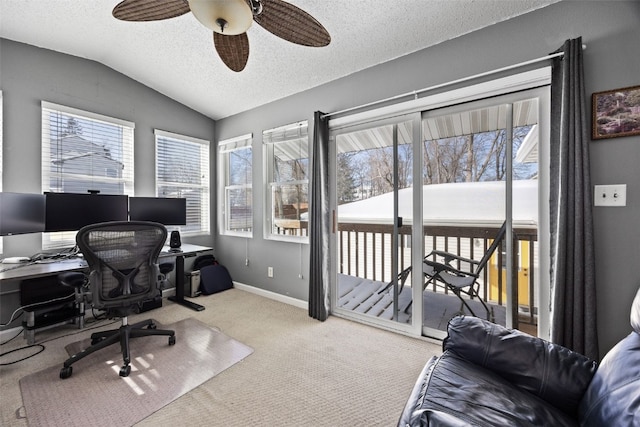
point(187, 250)
point(40, 268)
point(51, 267)
point(19, 272)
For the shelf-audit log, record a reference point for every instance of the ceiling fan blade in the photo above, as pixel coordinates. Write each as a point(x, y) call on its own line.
point(233, 50)
point(292, 24)
point(146, 10)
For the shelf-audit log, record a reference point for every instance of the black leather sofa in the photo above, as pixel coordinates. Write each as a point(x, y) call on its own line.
point(492, 376)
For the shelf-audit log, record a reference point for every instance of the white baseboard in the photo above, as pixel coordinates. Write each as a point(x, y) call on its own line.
point(272, 295)
point(7, 334)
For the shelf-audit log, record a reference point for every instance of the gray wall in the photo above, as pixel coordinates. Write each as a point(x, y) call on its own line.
point(612, 60)
point(29, 75)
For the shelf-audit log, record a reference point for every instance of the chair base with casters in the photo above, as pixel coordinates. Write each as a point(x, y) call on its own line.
point(124, 273)
point(100, 340)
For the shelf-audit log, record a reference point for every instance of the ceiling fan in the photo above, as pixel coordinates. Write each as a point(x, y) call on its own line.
point(230, 19)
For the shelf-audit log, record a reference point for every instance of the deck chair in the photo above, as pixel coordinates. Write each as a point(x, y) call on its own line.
point(438, 268)
point(461, 281)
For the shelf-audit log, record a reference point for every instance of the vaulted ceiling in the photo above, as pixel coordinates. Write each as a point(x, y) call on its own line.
point(176, 57)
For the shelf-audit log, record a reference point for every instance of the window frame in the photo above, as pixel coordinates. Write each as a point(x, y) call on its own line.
point(56, 240)
point(204, 225)
point(1, 151)
point(271, 138)
point(225, 148)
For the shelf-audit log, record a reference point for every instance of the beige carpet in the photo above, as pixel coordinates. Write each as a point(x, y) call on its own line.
point(96, 395)
point(302, 372)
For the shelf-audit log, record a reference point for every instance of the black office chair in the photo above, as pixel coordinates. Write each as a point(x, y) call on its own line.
point(122, 259)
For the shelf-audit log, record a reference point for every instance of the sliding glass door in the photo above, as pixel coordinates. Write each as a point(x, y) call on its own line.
point(445, 175)
point(480, 171)
point(373, 218)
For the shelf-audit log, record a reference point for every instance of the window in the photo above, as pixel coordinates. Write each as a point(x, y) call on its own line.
point(182, 170)
point(1, 175)
point(287, 165)
point(235, 170)
point(84, 151)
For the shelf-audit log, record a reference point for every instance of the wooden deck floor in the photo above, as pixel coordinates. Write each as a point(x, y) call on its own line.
point(369, 297)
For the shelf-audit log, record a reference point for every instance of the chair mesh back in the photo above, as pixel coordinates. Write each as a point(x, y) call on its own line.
point(122, 257)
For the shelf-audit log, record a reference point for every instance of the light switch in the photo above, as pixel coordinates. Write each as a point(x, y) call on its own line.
point(610, 195)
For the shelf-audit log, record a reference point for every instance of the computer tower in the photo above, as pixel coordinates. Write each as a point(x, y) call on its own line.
point(192, 284)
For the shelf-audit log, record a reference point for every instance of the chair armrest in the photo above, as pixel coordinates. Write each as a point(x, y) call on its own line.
point(448, 257)
point(73, 279)
point(552, 372)
point(439, 267)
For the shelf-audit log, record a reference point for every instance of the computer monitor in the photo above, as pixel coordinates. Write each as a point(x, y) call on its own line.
point(72, 211)
point(165, 210)
point(21, 213)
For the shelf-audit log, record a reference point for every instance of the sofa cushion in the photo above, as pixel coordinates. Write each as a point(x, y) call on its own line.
point(552, 372)
point(613, 397)
point(455, 392)
point(635, 313)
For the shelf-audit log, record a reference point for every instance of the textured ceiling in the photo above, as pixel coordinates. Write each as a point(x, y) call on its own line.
point(176, 57)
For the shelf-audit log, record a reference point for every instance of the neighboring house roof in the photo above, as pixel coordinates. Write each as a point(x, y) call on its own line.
point(468, 203)
point(75, 147)
point(76, 156)
point(77, 142)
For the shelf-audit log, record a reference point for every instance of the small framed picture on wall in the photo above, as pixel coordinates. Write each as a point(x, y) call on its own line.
point(616, 113)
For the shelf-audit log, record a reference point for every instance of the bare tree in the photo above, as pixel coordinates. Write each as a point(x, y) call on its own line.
point(348, 178)
point(470, 158)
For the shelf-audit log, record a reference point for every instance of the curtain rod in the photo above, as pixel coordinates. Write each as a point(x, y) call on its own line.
point(441, 85)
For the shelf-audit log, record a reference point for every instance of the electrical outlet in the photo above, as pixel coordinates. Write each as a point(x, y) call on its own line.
point(610, 195)
point(269, 271)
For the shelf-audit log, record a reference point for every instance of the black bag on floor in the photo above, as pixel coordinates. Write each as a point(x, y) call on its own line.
point(203, 261)
point(214, 278)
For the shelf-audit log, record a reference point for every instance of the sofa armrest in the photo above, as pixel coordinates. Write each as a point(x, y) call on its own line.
point(414, 414)
point(613, 397)
point(417, 393)
point(552, 372)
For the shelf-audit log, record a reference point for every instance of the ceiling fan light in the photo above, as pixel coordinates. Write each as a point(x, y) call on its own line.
point(228, 17)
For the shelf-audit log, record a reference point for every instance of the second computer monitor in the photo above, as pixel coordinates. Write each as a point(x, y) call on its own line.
point(72, 211)
point(165, 210)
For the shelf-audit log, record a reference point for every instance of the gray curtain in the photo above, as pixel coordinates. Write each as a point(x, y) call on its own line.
point(573, 323)
point(319, 221)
